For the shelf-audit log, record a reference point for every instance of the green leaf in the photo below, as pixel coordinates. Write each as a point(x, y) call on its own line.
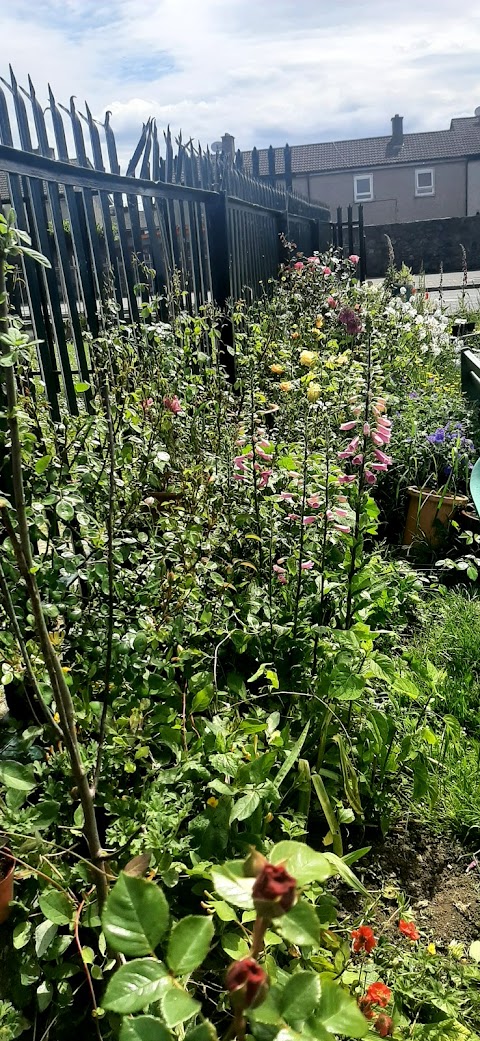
point(300, 996)
point(291, 757)
point(304, 863)
point(44, 934)
point(80, 388)
point(135, 916)
point(135, 985)
point(14, 775)
point(338, 1012)
point(204, 1032)
point(189, 943)
point(44, 994)
point(144, 1028)
point(342, 869)
point(235, 889)
point(21, 934)
point(235, 946)
point(35, 255)
point(245, 806)
point(474, 951)
point(65, 510)
point(300, 925)
point(42, 464)
point(56, 906)
point(177, 1006)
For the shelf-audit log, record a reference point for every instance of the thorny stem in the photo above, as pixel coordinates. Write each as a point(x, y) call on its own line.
point(255, 485)
point(110, 573)
point(23, 553)
point(32, 679)
point(302, 536)
point(360, 488)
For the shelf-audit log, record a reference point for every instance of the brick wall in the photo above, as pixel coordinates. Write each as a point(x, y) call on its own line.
point(424, 243)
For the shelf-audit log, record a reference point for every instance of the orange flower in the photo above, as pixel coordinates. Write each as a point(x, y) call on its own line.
point(295, 335)
point(379, 994)
point(277, 369)
point(408, 929)
point(363, 939)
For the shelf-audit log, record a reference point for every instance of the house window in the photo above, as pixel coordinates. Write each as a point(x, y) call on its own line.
point(424, 182)
point(363, 187)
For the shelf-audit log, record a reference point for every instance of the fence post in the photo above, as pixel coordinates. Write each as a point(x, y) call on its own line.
point(362, 245)
point(350, 230)
point(287, 152)
point(219, 256)
point(339, 227)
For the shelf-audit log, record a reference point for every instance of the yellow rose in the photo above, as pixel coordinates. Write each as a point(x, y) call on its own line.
point(277, 369)
point(213, 802)
point(319, 322)
point(308, 358)
point(295, 336)
point(286, 386)
point(314, 391)
point(431, 949)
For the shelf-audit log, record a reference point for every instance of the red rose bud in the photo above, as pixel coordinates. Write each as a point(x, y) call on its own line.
point(274, 891)
point(247, 984)
point(384, 1025)
point(365, 1006)
point(254, 863)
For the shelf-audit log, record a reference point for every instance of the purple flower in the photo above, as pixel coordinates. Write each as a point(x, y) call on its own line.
point(413, 395)
point(351, 320)
point(438, 437)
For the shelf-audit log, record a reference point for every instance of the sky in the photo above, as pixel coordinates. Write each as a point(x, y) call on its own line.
point(266, 71)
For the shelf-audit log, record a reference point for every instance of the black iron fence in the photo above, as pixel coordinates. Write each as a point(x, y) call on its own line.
point(349, 236)
point(187, 214)
point(470, 374)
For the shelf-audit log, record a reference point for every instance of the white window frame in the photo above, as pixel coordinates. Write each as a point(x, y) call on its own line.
point(420, 189)
point(362, 196)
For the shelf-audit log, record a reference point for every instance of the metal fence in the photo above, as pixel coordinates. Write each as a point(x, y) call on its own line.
point(187, 213)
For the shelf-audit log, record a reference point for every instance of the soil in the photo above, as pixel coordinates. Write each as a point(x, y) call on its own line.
point(5, 865)
point(430, 871)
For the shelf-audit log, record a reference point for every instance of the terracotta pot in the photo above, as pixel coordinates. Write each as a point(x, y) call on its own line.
point(6, 889)
point(428, 515)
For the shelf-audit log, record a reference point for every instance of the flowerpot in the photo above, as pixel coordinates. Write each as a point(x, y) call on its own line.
point(462, 327)
point(469, 521)
point(428, 515)
point(7, 869)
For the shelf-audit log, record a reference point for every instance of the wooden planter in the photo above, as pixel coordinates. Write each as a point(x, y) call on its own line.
point(429, 514)
point(6, 887)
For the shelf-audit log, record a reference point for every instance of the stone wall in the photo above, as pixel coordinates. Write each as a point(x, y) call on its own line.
point(424, 244)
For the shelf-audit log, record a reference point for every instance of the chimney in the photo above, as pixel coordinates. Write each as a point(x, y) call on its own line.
point(228, 146)
point(397, 132)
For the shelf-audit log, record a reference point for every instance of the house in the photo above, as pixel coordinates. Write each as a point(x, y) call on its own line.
point(399, 177)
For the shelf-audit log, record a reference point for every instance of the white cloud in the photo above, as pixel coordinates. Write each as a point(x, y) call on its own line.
point(268, 72)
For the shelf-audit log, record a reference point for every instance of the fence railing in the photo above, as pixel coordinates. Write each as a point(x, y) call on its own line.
point(187, 214)
point(349, 236)
point(470, 374)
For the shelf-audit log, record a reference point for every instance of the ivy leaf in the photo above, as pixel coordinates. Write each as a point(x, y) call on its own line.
point(189, 943)
point(305, 864)
point(65, 510)
point(44, 934)
point(135, 985)
point(338, 1013)
point(56, 906)
point(300, 925)
point(135, 916)
point(144, 1028)
point(177, 1006)
point(300, 996)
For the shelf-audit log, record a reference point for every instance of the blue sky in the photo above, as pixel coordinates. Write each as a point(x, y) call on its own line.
point(268, 71)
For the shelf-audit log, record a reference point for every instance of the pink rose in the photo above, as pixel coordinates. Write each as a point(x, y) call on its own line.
point(353, 258)
point(172, 405)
